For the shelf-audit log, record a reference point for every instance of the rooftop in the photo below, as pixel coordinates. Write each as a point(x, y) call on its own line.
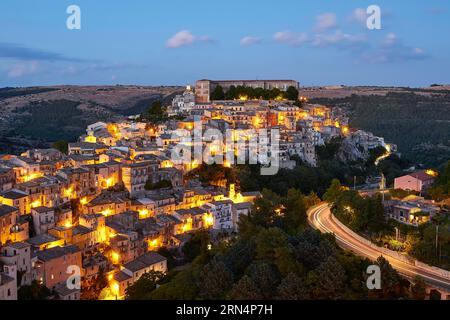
point(144, 261)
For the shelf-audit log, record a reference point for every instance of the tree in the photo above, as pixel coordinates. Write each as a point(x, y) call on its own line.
point(197, 245)
point(149, 185)
point(92, 289)
point(182, 286)
point(312, 199)
point(245, 289)
point(441, 188)
point(418, 289)
point(215, 280)
point(35, 291)
point(155, 113)
point(327, 282)
point(292, 287)
point(144, 286)
point(333, 192)
point(268, 241)
point(392, 286)
point(265, 276)
point(217, 93)
point(295, 210)
point(231, 93)
point(61, 145)
point(292, 93)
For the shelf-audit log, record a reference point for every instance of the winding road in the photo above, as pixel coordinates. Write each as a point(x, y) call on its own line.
point(320, 217)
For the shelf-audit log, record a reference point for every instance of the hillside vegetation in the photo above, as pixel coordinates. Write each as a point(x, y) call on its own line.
point(418, 124)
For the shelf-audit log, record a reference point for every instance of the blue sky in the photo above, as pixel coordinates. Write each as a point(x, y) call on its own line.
point(174, 42)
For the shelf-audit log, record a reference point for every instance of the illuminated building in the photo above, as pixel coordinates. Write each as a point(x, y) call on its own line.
point(133, 270)
point(11, 227)
point(43, 219)
point(416, 181)
point(52, 264)
point(16, 198)
point(18, 254)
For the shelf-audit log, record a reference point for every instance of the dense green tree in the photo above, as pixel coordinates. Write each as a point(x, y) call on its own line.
point(441, 189)
point(292, 287)
point(35, 291)
point(392, 286)
point(214, 174)
point(144, 286)
point(294, 210)
point(93, 289)
point(311, 248)
point(245, 289)
point(217, 93)
point(240, 256)
point(268, 241)
point(312, 199)
point(196, 246)
point(400, 117)
point(231, 93)
point(215, 280)
point(292, 93)
point(149, 185)
point(327, 282)
point(155, 113)
point(265, 276)
point(61, 145)
point(334, 191)
point(182, 286)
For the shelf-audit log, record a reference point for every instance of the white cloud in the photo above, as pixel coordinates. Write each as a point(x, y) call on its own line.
point(359, 15)
point(392, 49)
point(248, 41)
point(185, 38)
point(325, 21)
point(290, 38)
point(23, 69)
point(339, 39)
point(391, 39)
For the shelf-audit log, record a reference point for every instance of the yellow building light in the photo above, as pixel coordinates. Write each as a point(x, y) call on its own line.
point(107, 212)
point(84, 201)
point(153, 244)
point(32, 176)
point(115, 257)
point(115, 288)
point(36, 203)
point(90, 139)
point(113, 130)
point(243, 98)
point(431, 172)
point(143, 213)
point(68, 224)
point(109, 182)
point(167, 164)
point(68, 193)
point(208, 220)
point(187, 226)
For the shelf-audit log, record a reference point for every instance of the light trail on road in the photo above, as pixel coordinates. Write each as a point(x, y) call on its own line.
point(320, 218)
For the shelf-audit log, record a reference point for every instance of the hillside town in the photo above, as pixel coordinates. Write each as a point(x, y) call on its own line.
point(118, 195)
